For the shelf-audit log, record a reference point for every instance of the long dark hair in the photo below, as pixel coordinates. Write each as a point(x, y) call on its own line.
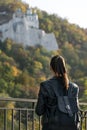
point(57, 64)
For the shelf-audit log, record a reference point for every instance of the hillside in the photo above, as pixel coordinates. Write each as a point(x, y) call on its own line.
point(63, 30)
point(22, 69)
point(8, 7)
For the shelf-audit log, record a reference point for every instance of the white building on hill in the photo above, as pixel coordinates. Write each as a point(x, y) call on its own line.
point(24, 29)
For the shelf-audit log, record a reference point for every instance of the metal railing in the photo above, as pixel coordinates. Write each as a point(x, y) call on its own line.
point(83, 115)
point(83, 123)
point(20, 117)
point(19, 114)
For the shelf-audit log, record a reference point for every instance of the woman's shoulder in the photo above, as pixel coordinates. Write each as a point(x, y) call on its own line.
point(45, 87)
point(48, 81)
point(73, 84)
point(74, 87)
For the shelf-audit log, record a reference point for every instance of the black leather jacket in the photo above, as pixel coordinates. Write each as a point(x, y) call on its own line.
point(47, 101)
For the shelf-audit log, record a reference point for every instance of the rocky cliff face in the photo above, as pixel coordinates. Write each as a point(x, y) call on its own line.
point(24, 29)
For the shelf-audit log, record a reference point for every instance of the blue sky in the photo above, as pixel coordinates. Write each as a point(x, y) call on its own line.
point(73, 10)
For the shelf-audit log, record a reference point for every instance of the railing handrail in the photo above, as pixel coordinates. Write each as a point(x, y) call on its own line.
point(18, 99)
point(83, 103)
point(27, 100)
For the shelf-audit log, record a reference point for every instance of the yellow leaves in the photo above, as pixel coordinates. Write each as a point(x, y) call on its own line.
point(18, 5)
point(15, 71)
point(6, 63)
point(10, 105)
point(0, 51)
point(42, 78)
point(38, 65)
point(6, 104)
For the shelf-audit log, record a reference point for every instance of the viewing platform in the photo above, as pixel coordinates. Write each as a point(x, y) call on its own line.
point(19, 114)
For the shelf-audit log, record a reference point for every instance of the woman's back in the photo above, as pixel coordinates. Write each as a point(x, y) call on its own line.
point(47, 105)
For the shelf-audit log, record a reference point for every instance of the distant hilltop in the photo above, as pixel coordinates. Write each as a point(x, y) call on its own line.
point(23, 28)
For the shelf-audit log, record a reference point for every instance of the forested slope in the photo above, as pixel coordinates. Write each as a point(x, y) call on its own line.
point(22, 69)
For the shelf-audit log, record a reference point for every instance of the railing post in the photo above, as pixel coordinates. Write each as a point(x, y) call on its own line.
point(12, 119)
point(33, 115)
point(86, 120)
point(26, 119)
point(5, 119)
point(81, 120)
point(19, 119)
point(39, 123)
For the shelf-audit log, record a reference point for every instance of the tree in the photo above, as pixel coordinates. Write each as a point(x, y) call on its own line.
point(8, 105)
point(7, 1)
